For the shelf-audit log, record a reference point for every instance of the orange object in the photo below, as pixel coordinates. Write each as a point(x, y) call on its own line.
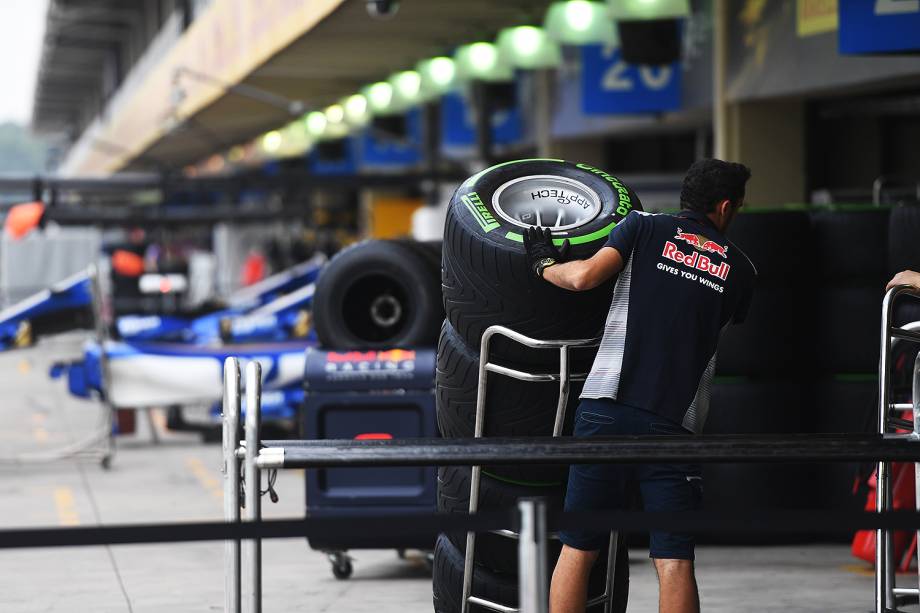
point(127, 264)
point(253, 268)
point(23, 218)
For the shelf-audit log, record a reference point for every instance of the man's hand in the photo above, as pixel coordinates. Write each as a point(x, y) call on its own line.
point(905, 277)
point(542, 253)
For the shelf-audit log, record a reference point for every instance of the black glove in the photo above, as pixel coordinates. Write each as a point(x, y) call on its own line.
point(538, 242)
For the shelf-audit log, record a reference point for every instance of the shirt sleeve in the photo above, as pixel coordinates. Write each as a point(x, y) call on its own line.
point(744, 304)
point(624, 235)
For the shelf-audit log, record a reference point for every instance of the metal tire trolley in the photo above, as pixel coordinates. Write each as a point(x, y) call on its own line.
point(885, 591)
point(564, 378)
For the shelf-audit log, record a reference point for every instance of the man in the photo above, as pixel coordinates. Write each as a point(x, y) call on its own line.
point(680, 282)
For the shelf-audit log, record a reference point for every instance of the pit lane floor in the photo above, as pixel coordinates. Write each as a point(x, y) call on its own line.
point(179, 480)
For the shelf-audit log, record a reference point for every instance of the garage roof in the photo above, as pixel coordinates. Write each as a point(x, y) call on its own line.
point(331, 58)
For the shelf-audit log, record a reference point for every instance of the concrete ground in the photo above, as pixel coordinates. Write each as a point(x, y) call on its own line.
point(179, 480)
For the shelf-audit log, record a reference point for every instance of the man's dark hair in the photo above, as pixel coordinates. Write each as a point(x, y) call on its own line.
point(710, 181)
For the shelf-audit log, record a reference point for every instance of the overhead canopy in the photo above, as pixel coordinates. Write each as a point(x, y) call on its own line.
point(79, 56)
point(207, 93)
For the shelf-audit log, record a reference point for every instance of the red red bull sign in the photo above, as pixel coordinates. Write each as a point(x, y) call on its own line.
point(696, 260)
point(391, 355)
point(701, 243)
point(370, 361)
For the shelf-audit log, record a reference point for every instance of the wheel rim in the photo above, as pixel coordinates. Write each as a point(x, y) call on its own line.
point(560, 203)
point(376, 308)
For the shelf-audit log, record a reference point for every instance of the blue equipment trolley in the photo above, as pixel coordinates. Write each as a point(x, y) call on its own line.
point(373, 394)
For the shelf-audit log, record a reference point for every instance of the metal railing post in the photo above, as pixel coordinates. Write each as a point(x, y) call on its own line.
point(915, 398)
point(881, 485)
point(253, 480)
point(475, 473)
point(230, 419)
point(532, 587)
point(884, 547)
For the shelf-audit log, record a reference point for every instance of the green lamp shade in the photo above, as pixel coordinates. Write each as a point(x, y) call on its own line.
point(439, 74)
point(380, 98)
point(528, 47)
point(297, 139)
point(407, 89)
point(482, 61)
point(636, 10)
point(580, 22)
point(336, 126)
point(271, 141)
point(316, 123)
point(356, 109)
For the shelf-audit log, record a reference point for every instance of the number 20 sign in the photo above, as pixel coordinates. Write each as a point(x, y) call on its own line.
point(610, 86)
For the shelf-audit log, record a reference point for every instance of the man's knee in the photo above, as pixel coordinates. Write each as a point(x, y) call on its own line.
point(578, 557)
point(674, 568)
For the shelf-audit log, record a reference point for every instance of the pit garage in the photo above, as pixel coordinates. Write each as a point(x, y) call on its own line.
point(311, 305)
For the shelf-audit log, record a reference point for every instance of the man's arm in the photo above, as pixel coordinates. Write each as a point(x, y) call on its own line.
point(581, 275)
point(905, 277)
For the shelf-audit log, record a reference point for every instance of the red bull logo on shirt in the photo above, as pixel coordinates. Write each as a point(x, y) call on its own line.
point(701, 243)
point(695, 260)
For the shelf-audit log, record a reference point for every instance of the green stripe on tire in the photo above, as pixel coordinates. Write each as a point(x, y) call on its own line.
point(578, 240)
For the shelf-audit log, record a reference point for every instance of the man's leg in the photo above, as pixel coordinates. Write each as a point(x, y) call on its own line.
point(568, 590)
point(677, 592)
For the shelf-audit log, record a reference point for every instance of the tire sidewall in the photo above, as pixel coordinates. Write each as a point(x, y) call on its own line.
point(364, 259)
point(473, 207)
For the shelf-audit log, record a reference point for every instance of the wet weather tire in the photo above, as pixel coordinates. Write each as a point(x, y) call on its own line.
point(495, 552)
point(486, 276)
point(378, 294)
point(447, 580)
point(513, 408)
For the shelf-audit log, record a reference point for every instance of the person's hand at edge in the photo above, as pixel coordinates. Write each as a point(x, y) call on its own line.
point(541, 252)
point(905, 277)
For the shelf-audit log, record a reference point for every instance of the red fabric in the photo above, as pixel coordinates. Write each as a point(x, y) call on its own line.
point(23, 218)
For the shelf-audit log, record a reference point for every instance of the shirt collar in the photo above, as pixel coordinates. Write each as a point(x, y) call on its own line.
point(698, 217)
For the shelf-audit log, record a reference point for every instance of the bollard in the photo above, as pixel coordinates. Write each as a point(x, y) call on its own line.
point(230, 419)
point(532, 586)
point(254, 480)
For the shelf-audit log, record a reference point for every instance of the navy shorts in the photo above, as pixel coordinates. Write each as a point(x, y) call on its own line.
point(664, 487)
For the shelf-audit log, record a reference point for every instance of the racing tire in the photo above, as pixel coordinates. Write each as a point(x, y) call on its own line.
point(429, 250)
point(778, 243)
point(513, 408)
point(486, 275)
point(846, 329)
point(759, 407)
point(847, 406)
point(903, 230)
point(754, 347)
point(447, 578)
point(851, 244)
point(495, 552)
point(377, 294)
point(447, 582)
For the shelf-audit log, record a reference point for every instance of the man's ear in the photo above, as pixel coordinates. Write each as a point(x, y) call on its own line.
point(724, 207)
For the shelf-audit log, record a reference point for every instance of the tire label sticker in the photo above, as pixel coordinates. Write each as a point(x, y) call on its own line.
point(480, 213)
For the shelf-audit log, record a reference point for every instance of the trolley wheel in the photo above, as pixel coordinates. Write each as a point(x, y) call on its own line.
point(343, 570)
point(106, 462)
point(341, 565)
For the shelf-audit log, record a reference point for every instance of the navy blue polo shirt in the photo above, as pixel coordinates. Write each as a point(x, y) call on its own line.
point(682, 283)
